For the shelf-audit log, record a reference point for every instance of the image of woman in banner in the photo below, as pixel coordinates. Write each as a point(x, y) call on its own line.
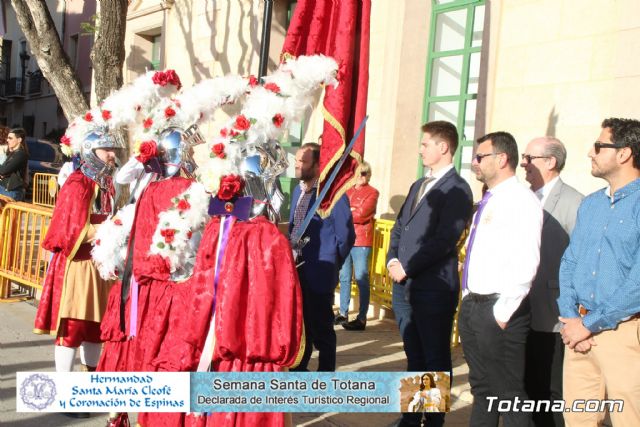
point(428, 398)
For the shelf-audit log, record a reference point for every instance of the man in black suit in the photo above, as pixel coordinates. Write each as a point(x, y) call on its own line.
point(423, 260)
point(543, 160)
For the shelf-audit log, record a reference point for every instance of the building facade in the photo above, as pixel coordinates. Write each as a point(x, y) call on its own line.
point(26, 99)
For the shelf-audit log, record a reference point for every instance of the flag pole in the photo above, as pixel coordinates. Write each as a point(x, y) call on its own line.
point(266, 38)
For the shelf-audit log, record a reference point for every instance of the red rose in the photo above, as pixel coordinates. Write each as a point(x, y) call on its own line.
point(242, 123)
point(183, 205)
point(65, 140)
point(173, 79)
point(169, 112)
point(253, 81)
point(147, 123)
point(88, 117)
point(168, 234)
point(97, 242)
point(272, 87)
point(159, 78)
point(218, 150)
point(117, 221)
point(189, 234)
point(148, 150)
point(230, 186)
point(233, 133)
point(278, 119)
point(224, 132)
point(106, 114)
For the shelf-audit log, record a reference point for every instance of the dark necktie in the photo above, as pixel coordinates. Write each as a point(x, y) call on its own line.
point(420, 192)
point(472, 236)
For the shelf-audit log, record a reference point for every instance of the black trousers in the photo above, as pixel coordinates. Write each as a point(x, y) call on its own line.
point(317, 310)
point(543, 374)
point(496, 360)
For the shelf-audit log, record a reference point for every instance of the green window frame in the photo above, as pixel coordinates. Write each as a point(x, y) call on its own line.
point(156, 43)
point(462, 57)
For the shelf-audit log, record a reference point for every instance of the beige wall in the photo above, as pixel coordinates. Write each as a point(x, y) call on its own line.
point(561, 67)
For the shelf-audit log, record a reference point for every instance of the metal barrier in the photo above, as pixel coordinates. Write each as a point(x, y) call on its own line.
point(22, 260)
point(45, 189)
point(381, 283)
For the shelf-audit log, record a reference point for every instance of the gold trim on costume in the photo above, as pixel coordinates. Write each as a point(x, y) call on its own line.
point(300, 354)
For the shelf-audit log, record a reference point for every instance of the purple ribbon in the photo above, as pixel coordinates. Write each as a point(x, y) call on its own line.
point(227, 223)
point(133, 312)
point(472, 237)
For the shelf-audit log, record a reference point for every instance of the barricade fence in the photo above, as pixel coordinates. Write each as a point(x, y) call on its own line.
point(22, 260)
point(45, 189)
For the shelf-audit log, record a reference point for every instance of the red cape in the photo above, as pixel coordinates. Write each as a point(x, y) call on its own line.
point(67, 228)
point(258, 315)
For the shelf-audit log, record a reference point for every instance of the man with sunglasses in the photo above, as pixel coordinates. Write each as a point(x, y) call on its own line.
point(423, 258)
point(543, 160)
point(503, 251)
point(600, 283)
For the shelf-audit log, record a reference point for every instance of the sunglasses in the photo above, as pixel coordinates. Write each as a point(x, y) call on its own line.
point(528, 157)
point(364, 173)
point(598, 145)
point(479, 157)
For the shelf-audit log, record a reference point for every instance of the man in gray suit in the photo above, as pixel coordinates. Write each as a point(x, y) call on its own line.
point(543, 161)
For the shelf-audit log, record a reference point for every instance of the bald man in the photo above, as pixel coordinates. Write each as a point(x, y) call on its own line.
point(543, 160)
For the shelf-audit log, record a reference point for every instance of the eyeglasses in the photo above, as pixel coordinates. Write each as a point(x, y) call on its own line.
point(598, 145)
point(528, 157)
point(479, 157)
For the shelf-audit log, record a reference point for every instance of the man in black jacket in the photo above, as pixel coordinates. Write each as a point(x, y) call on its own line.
point(13, 172)
point(423, 259)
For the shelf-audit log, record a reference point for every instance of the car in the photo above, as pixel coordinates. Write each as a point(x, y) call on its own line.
point(44, 157)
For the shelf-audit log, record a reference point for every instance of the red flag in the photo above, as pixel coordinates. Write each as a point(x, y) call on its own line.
point(340, 29)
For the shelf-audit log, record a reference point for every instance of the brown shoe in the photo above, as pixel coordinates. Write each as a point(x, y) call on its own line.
point(355, 325)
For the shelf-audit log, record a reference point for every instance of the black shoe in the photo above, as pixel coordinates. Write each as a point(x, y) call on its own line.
point(355, 325)
point(340, 319)
point(77, 414)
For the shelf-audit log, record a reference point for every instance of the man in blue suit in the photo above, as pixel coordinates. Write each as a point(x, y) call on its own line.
point(330, 241)
point(423, 258)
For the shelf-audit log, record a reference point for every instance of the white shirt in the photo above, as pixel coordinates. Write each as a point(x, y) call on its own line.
point(545, 190)
point(506, 251)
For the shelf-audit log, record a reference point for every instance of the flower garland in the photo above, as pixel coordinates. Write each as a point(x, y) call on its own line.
point(110, 245)
point(176, 225)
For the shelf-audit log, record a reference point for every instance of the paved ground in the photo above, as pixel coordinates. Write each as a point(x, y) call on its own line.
point(379, 348)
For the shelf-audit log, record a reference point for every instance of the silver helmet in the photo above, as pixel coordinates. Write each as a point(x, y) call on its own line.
point(260, 172)
point(175, 150)
point(91, 165)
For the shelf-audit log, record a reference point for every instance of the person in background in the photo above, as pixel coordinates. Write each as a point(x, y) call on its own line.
point(14, 172)
point(363, 199)
point(543, 160)
point(330, 241)
point(4, 132)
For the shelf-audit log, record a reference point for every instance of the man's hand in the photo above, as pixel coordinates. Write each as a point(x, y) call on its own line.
point(396, 272)
point(573, 331)
point(585, 346)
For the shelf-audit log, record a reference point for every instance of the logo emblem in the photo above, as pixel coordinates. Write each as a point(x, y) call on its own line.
point(38, 391)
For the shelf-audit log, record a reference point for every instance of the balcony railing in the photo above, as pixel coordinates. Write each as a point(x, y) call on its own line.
point(14, 88)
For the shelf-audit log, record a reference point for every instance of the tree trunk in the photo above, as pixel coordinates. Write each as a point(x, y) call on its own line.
point(41, 34)
point(107, 55)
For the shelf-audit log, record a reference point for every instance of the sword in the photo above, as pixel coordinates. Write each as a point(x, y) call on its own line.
point(297, 242)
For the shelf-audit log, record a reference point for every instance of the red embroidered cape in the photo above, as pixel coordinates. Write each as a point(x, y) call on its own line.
point(258, 316)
